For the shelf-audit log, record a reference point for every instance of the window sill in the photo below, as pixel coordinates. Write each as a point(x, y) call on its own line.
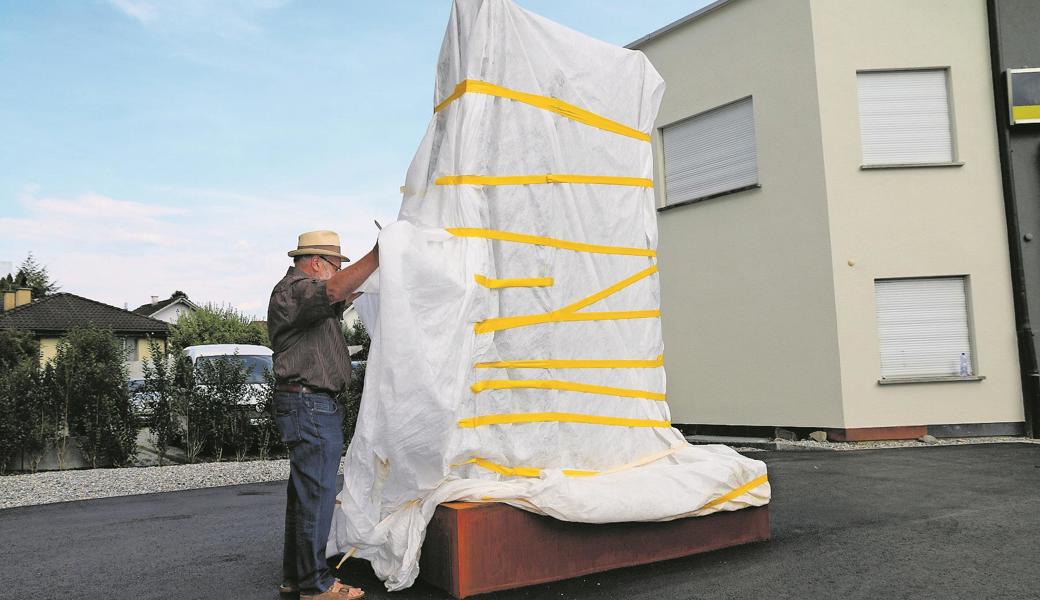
point(911, 166)
point(753, 186)
point(938, 379)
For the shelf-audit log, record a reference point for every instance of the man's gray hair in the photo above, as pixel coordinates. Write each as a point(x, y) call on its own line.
point(302, 258)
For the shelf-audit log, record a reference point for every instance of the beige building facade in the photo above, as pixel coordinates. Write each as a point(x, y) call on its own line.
point(857, 273)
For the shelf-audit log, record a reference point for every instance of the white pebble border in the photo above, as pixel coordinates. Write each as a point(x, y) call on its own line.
point(65, 486)
point(881, 444)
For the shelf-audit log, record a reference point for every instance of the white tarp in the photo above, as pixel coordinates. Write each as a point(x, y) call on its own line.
point(452, 410)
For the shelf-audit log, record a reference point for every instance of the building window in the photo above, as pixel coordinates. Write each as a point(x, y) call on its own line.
point(710, 154)
point(130, 349)
point(923, 327)
point(904, 118)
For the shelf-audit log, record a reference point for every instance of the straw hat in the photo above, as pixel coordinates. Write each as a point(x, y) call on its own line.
point(325, 243)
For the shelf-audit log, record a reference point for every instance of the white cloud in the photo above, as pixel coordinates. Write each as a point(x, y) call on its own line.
point(223, 16)
point(141, 10)
point(217, 246)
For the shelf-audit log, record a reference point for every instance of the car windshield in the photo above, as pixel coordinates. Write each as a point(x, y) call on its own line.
point(254, 366)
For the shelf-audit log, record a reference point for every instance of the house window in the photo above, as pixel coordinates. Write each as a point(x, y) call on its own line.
point(710, 154)
point(923, 327)
point(904, 118)
point(130, 349)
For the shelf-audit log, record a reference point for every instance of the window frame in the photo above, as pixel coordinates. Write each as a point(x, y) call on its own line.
point(969, 315)
point(662, 167)
point(130, 349)
point(954, 161)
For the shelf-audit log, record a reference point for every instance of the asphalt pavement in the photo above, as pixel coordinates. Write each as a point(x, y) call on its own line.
point(932, 522)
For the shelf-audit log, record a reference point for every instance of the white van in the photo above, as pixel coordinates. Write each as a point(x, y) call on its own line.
point(254, 359)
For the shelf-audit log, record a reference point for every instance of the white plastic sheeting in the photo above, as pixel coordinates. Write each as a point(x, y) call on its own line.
point(561, 410)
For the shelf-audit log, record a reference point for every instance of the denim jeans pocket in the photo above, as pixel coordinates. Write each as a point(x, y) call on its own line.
point(289, 425)
point(325, 405)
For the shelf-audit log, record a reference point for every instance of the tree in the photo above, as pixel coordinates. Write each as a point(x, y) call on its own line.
point(90, 376)
point(357, 335)
point(224, 389)
point(213, 324)
point(25, 426)
point(159, 387)
point(32, 275)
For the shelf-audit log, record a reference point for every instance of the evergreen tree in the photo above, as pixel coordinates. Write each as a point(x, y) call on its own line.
point(32, 275)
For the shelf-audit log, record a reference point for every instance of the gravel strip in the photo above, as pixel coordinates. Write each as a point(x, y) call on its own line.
point(64, 486)
point(844, 446)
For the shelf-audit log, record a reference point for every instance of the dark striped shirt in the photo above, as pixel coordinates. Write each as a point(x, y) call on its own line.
point(306, 334)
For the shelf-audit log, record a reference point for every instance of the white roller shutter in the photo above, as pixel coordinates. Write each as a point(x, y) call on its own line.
point(904, 117)
point(923, 326)
point(710, 153)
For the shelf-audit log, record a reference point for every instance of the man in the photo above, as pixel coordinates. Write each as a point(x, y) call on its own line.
point(311, 367)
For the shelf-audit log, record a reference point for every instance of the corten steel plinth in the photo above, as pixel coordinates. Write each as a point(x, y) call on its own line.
point(473, 548)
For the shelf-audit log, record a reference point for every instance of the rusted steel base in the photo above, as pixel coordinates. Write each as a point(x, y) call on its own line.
point(477, 548)
point(864, 434)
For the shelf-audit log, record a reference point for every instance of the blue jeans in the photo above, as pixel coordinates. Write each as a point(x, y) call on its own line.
point(312, 428)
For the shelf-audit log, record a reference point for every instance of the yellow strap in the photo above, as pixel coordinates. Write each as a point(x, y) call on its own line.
point(548, 103)
point(345, 557)
point(506, 283)
point(523, 238)
point(572, 364)
point(613, 289)
point(549, 417)
point(645, 460)
point(542, 179)
point(567, 313)
point(569, 386)
point(500, 323)
point(754, 483)
point(522, 471)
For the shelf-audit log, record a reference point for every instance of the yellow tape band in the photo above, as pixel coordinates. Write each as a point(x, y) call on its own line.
point(568, 313)
point(754, 483)
point(1022, 113)
point(542, 179)
point(500, 323)
point(522, 238)
point(553, 105)
point(550, 417)
point(569, 386)
point(613, 289)
point(522, 471)
point(572, 364)
point(507, 283)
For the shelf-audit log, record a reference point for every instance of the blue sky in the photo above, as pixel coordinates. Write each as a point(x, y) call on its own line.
point(154, 145)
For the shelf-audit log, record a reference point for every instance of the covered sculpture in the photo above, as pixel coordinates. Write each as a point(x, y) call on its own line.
point(516, 333)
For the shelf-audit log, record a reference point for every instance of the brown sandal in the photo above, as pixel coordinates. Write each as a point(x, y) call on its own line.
point(338, 591)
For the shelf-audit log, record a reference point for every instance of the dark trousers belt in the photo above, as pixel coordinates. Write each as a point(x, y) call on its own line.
point(299, 388)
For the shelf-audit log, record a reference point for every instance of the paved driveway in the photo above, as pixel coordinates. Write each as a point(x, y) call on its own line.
point(941, 522)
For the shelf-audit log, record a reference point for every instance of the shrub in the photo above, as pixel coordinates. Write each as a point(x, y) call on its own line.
point(160, 389)
point(190, 408)
point(357, 335)
point(223, 391)
point(351, 400)
point(90, 382)
point(266, 437)
point(18, 351)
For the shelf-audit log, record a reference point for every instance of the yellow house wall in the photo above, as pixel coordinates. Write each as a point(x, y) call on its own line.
point(915, 222)
point(144, 351)
point(48, 348)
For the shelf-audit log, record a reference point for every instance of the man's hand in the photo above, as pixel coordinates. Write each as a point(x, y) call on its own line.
point(341, 286)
